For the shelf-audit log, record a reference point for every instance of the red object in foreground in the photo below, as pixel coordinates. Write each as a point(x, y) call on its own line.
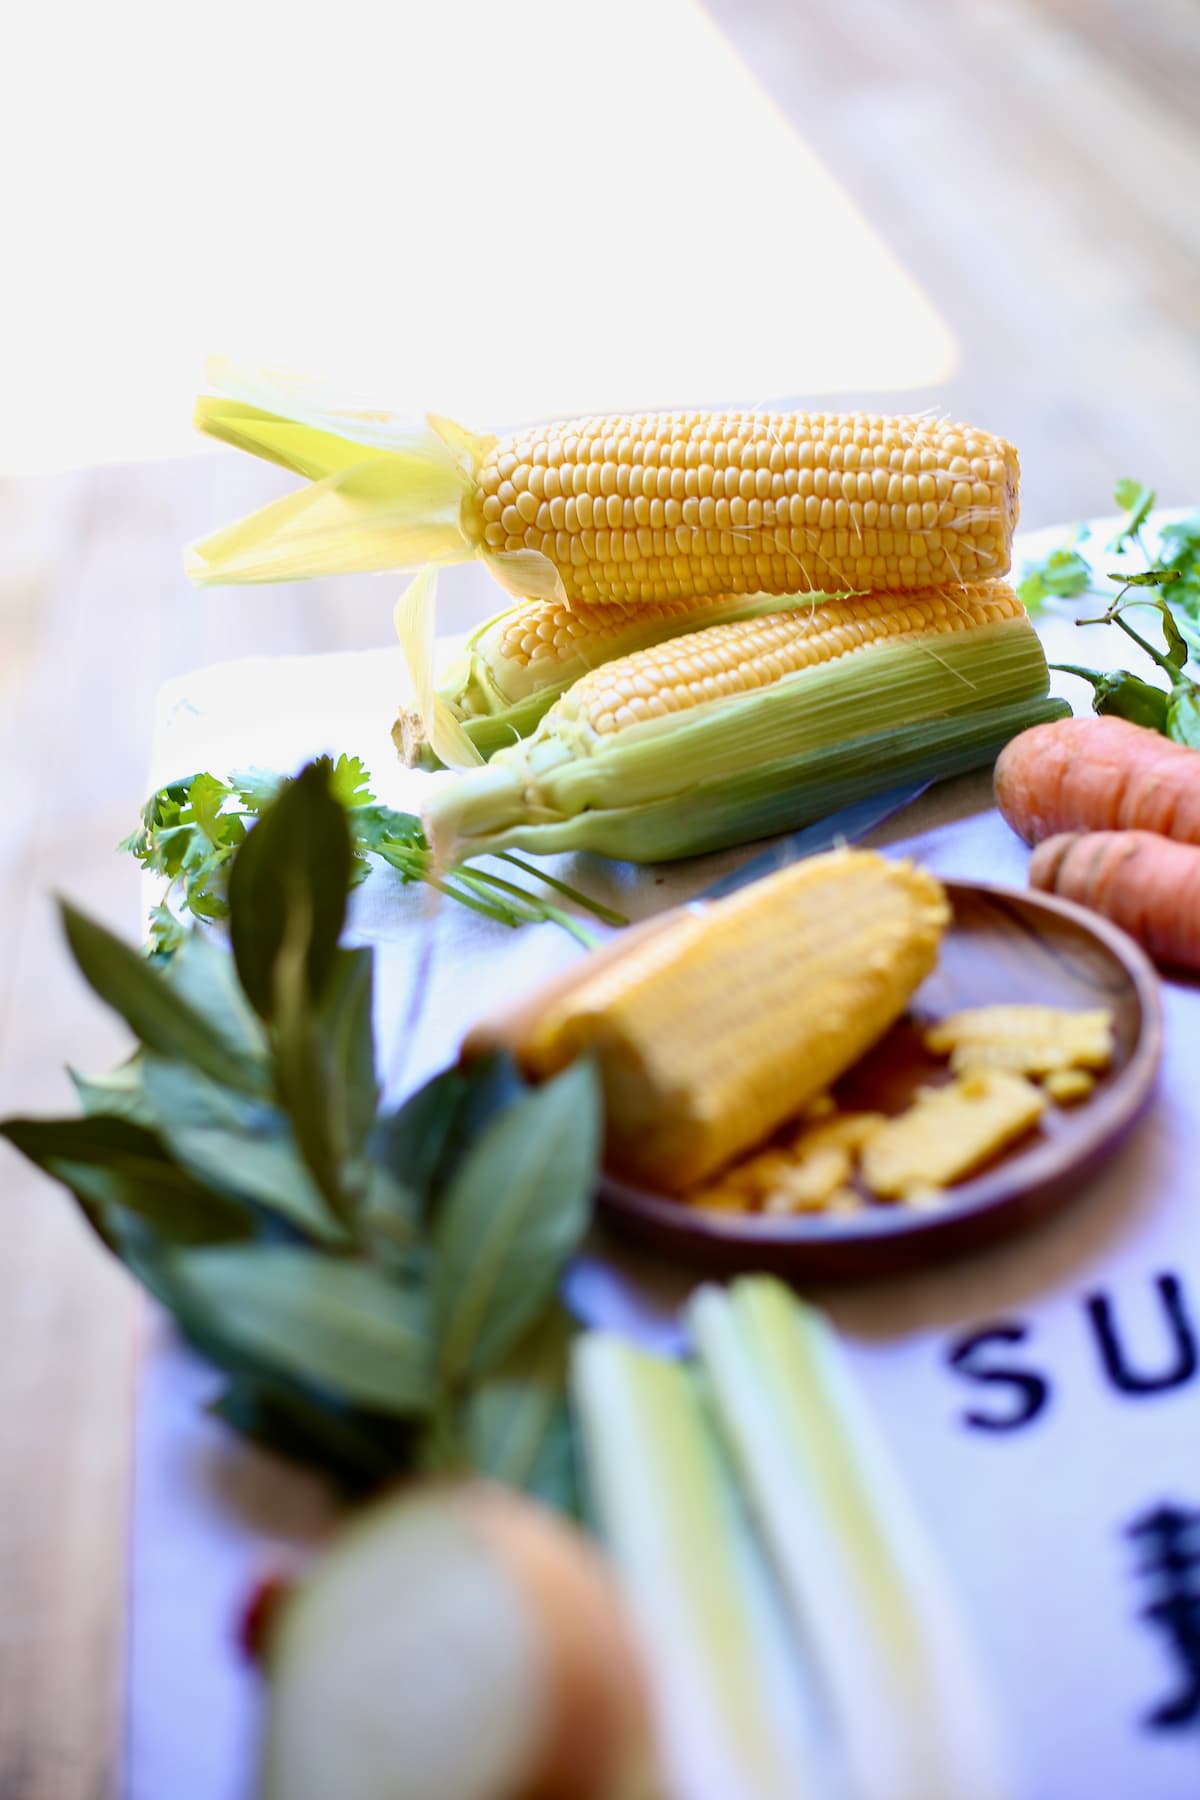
point(259, 1614)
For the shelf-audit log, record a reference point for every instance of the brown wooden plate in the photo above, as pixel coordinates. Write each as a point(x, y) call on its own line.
point(1006, 945)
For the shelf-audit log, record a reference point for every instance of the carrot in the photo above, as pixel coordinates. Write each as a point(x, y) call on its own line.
point(1144, 883)
point(1101, 774)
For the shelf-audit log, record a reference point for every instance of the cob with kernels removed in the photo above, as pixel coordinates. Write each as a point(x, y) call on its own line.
point(621, 509)
point(755, 727)
point(826, 952)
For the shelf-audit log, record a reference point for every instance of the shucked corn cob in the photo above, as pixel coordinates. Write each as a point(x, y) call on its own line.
point(754, 727)
point(708, 1034)
point(620, 509)
point(515, 665)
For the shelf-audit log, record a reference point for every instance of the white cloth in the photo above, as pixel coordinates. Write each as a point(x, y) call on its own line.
point(1031, 1519)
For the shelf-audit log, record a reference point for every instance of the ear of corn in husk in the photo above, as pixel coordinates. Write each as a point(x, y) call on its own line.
point(514, 666)
point(829, 951)
point(757, 726)
point(620, 509)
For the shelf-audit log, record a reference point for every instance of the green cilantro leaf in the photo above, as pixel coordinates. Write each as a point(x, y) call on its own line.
point(350, 781)
point(255, 788)
point(1062, 574)
point(206, 797)
point(1137, 502)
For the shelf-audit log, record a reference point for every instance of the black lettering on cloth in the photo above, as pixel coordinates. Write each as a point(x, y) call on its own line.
point(1027, 1392)
point(1182, 1359)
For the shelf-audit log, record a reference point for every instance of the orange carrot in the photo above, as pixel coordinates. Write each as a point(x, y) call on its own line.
point(1100, 774)
point(1142, 882)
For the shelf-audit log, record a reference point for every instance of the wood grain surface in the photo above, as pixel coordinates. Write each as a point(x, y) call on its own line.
point(1032, 167)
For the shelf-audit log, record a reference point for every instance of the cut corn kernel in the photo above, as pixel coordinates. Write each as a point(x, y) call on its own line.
point(949, 1131)
point(618, 508)
point(843, 1131)
point(814, 1176)
point(1066, 1086)
point(755, 727)
point(807, 1176)
point(712, 1033)
point(1031, 1040)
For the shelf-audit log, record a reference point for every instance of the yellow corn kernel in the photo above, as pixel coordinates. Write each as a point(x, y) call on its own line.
point(822, 1106)
point(713, 1032)
point(949, 1131)
point(844, 1131)
point(1031, 1040)
point(649, 507)
point(813, 1177)
point(1066, 1086)
point(752, 654)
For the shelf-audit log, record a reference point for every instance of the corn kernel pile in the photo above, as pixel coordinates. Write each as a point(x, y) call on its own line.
point(1007, 1063)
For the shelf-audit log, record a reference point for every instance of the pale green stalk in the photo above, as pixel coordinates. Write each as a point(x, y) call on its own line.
point(859, 1570)
point(730, 1696)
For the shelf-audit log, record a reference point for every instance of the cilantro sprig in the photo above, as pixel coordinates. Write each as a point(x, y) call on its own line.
point(192, 829)
point(1173, 574)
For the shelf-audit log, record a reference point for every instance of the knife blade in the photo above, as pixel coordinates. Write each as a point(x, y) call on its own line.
point(843, 827)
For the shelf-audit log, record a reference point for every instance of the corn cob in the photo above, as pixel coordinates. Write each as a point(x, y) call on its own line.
point(620, 509)
point(754, 727)
point(515, 665)
point(709, 1034)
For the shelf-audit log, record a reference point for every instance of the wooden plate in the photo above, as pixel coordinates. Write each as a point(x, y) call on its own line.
point(1006, 945)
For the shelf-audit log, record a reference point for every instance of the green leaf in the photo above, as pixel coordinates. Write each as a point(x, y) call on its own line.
point(514, 1210)
point(256, 788)
point(1146, 578)
point(302, 1079)
point(158, 1015)
point(295, 860)
point(390, 1219)
point(1183, 715)
point(357, 1451)
point(206, 797)
point(349, 781)
point(341, 1325)
point(516, 1425)
point(1062, 574)
point(203, 974)
point(346, 1029)
point(117, 1095)
point(110, 1162)
point(420, 1144)
point(1179, 549)
point(1137, 502)
point(241, 1146)
point(166, 933)
point(1177, 648)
